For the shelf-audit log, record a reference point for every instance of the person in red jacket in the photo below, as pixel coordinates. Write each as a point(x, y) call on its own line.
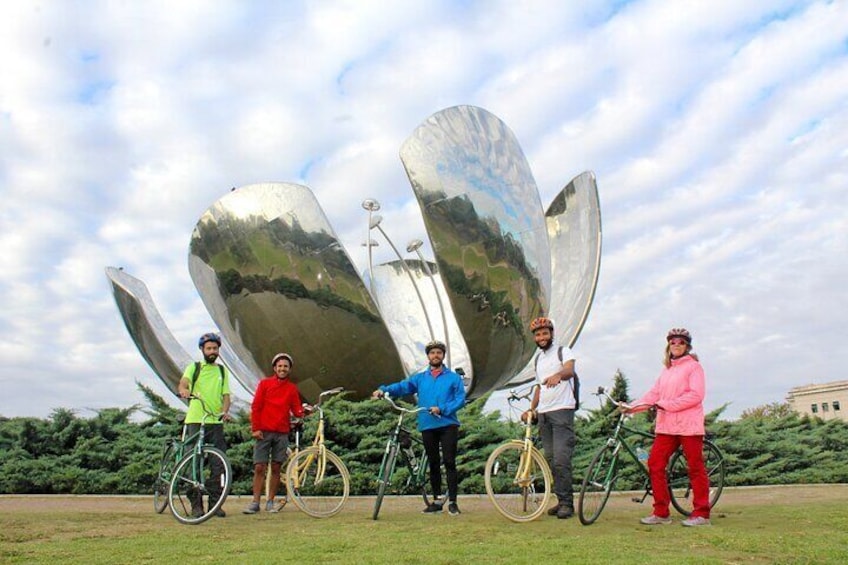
point(275, 400)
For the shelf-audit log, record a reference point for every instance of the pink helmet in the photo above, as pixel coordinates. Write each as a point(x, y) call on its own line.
point(682, 333)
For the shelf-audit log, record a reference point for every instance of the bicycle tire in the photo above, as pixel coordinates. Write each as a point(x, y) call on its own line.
point(189, 487)
point(597, 485)
point(678, 478)
point(520, 500)
point(384, 480)
point(318, 498)
point(163, 478)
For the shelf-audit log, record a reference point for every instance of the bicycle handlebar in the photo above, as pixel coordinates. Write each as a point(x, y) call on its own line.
point(388, 399)
point(620, 403)
point(515, 397)
point(204, 407)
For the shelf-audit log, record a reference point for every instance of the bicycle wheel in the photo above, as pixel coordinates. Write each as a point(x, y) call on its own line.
point(678, 478)
point(319, 493)
point(597, 485)
point(385, 479)
point(163, 479)
point(201, 481)
point(519, 496)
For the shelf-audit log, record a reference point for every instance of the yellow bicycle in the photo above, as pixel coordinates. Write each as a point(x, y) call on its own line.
point(316, 478)
point(518, 479)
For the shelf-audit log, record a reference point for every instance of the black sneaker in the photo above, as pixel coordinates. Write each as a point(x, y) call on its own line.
point(432, 508)
point(565, 512)
point(552, 511)
point(220, 513)
point(453, 509)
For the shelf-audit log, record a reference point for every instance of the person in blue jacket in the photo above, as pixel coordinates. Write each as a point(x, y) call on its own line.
point(441, 392)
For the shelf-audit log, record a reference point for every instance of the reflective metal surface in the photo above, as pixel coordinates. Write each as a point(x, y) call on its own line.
point(154, 340)
point(574, 232)
point(406, 320)
point(274, 277)
point(484, 218)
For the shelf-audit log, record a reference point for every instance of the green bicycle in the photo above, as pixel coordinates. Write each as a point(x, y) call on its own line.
point(410, 449)
point(202, 474)
point(607, 466)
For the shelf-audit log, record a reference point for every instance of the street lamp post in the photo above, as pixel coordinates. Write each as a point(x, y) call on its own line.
point(372, 206)
point(375, 223)
point(415, 246)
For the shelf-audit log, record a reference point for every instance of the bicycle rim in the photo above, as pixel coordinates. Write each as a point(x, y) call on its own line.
point(318, 490)
point(160, 484)
point(384, 480)
point(519, 496)
point(199, 486)
point(597, 485)
point(679, 486)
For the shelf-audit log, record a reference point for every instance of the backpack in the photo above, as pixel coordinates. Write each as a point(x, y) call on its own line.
point(575, 381)
point(197, 373)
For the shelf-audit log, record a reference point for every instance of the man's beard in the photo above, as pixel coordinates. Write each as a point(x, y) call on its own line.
point(210, 358)
point(546, 344)
point(435, 364)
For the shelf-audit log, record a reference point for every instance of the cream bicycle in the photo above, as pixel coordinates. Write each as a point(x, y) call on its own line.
point(518, 479)
point(317, 480)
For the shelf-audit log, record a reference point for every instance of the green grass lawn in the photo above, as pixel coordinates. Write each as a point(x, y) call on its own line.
point(792, 524)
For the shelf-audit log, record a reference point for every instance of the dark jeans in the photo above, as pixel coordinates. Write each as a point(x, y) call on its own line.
point(215, 436)
point(447, 437)
point(557, 431)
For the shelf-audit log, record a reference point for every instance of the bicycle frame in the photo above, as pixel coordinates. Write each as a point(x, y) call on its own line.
point(532, 475)
point(604, 470)
point(317, 442)
point(402, 443)
point(188, 484)
point(417, 464)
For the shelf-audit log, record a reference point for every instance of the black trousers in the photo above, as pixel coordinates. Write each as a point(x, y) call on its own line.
point(447, 438)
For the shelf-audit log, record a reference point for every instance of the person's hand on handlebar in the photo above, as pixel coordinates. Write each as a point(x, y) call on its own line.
point(377, 394)
point(624, 408)
point(528, 416)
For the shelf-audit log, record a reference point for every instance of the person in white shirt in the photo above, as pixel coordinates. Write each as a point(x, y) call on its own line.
point(554, 403)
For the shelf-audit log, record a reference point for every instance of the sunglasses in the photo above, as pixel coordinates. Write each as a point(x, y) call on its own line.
point(677, 341)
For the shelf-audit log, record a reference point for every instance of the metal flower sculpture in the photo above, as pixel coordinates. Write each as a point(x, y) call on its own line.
point(274, 276)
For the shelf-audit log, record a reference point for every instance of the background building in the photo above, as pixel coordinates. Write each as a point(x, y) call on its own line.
point(826, 401)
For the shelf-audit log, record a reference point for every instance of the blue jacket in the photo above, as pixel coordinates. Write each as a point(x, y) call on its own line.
point(445, 391)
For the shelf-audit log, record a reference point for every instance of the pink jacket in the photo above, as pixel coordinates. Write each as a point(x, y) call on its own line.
point(679, 393)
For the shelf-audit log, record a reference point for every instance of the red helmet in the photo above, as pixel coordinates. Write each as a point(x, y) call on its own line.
point(682, 333)
point(541, 322)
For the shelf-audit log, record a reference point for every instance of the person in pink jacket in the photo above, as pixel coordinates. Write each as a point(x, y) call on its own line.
point(678, 395)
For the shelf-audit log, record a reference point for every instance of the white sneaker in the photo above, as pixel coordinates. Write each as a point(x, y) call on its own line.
point(655, 520)
point(697, 521)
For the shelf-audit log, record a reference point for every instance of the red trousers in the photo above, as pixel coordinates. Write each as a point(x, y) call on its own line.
point(693, 448)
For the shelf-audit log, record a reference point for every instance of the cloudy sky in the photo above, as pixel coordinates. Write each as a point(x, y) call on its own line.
point(718, 131)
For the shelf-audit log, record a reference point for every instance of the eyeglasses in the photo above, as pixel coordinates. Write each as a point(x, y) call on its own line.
point(677, 341)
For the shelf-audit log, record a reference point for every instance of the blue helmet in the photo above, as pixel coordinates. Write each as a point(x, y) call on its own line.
point(208, 337)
